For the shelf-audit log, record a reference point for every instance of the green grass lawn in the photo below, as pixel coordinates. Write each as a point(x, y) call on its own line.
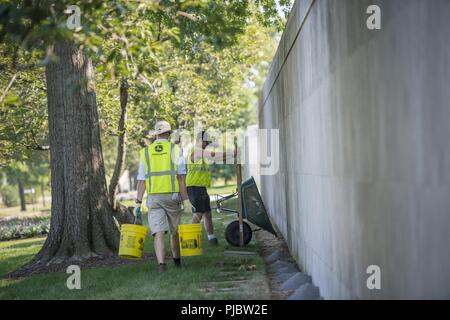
point(211, 276)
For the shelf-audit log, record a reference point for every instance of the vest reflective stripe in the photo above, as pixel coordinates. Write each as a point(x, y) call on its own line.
point(172, 167)
point(160, 170)
point(159, 174)
point(199, 174)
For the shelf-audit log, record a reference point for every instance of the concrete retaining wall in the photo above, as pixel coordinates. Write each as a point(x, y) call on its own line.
point(364, 120)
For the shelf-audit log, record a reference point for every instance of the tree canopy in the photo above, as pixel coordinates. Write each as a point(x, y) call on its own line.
point(185, 60)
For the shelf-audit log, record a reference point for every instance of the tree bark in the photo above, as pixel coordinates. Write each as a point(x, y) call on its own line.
point(23, 204)
point(43, 193)
point(121, 146)
point(82, 224)
point(121, 213)
point(130, 182)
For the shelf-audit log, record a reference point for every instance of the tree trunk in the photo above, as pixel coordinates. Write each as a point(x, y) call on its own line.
point(121, 146)
point(121, 213)
point(130, 182)
point(43, 193)
point(23, 204)
point(82, 224)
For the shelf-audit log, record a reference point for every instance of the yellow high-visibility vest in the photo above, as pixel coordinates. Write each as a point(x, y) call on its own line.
point(199, 174)
point(161, 166)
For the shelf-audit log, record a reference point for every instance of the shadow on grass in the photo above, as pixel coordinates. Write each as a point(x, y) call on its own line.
point(28, 243)
point(14, 263)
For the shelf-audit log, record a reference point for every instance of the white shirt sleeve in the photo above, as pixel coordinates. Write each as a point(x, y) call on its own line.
point(141, 172)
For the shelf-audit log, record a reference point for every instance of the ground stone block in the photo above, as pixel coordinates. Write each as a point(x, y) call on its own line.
point(284, 267)
point(282, 277)
point(305, 292)
point(276, 255)
point(296, 281)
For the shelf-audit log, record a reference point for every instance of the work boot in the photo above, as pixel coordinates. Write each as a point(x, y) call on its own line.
point(177, 262)
point(213, 242)
point(162, 267)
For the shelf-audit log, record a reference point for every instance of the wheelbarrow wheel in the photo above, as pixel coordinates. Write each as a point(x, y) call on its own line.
point(232, 233)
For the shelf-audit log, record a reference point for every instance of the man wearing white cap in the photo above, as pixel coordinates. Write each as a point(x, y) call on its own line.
point(162, 174)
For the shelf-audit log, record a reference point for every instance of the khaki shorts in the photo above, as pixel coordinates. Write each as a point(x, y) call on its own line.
point(164, 212)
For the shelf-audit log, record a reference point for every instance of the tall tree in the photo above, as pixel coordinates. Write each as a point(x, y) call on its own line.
point(23, 205)
point(81, 223)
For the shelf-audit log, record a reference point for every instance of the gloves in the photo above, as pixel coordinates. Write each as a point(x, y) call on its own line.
point(137, 211)
point(187, 206)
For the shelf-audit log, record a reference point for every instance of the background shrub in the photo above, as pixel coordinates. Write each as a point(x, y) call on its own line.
point(23, 228)
point(9, 196)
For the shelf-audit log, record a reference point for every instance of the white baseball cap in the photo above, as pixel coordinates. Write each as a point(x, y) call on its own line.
point(160, 128)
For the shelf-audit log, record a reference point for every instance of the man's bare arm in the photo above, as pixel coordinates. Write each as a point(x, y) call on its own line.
point(183, 189)
point(140, 190)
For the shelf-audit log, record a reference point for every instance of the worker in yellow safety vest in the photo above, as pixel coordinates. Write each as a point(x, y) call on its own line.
point(162, 174)
point(199, 179)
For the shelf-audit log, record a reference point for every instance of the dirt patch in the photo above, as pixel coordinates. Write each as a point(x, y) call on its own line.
point(95, 262)
point(268, 244)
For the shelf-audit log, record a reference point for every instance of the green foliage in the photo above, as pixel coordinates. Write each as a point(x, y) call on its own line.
point(192, 60)
point(226, 172)
point(23, 112)
point(9, 196)
point(127, 36)
point(274, 12)
point(34, 172)
point(218, 88)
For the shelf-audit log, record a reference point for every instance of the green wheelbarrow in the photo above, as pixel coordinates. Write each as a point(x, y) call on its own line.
point(253, 210)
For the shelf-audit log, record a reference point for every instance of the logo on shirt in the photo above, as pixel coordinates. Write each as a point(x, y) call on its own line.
point(159, 148)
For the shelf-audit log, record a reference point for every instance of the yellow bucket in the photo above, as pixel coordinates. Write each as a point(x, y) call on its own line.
point(132, 238)
point(190, 239)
